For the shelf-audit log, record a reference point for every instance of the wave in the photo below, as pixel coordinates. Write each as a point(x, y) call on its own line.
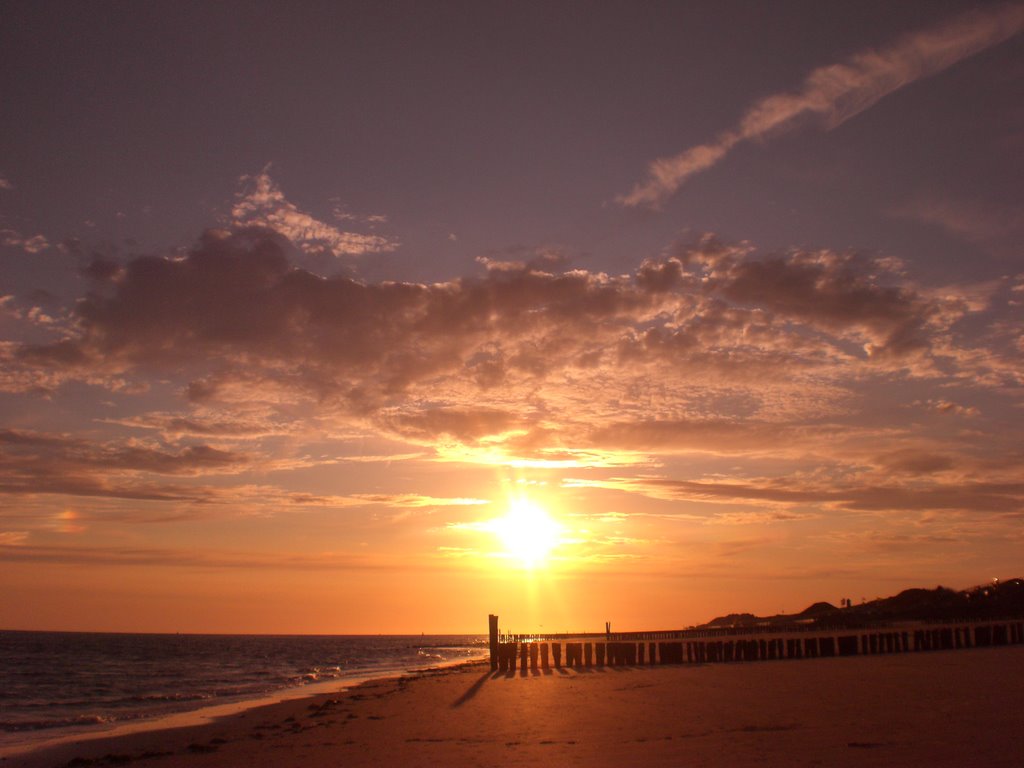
point(321, 673)
point(15, 726)
point(82, 680)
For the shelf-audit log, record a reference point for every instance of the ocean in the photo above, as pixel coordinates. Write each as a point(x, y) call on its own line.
point(55, 684)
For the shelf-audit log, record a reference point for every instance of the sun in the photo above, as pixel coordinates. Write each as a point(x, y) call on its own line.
point(527, 532)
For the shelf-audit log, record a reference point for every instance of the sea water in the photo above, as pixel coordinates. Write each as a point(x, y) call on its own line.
point(62, 683)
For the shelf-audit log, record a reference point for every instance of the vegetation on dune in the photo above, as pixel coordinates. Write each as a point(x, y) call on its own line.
point(998, 600)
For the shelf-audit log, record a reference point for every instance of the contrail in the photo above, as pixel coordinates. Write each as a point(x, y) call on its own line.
point(835, 93)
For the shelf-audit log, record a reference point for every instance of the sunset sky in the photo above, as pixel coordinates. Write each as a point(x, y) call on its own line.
point(309, 311)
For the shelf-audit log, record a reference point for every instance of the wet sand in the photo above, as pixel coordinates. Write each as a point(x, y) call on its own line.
point(947, 708)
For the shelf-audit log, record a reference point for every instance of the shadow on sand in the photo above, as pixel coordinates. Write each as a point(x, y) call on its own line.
point(471, 691)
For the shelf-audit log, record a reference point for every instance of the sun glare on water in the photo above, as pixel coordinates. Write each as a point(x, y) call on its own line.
point(527, 532)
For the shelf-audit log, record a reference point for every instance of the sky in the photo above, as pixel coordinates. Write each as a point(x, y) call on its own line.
point(358, 317)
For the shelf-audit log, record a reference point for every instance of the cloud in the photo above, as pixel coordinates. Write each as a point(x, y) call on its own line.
point(263, 204)
point(5, 183)
point(915, 462)
point(790, 491)
point(34, 315)
point(415, 500)
point(466, 425)
point(837, 292)
point(29, 244)
point(36, 463)
point(721, 436)
point(383, 459)
point(156, 557)
point(556, 367)
point(220, 426)
point(949, 407)
point(835, 93)
point(69, 522)
point(74, 453)
point(989, 224)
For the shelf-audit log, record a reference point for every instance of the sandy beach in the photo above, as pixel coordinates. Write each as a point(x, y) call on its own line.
point(945, 708)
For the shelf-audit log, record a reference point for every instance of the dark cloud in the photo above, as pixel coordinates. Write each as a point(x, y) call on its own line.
point(71, 452)
point(191, 558)
point(833, 292)
point(102, 269)
point(32, 463)
point(916, 462)
point(479, 356)
point(466, 425)
point(222, 426)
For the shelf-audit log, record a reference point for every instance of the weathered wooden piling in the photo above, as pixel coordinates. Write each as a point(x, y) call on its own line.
point(504, 650)
point(670, 653)
point(704, 647)
point(574, 655)
point(492, 622)
point(848, 645)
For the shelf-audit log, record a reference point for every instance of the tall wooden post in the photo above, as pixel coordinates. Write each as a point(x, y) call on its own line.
point(492, 621)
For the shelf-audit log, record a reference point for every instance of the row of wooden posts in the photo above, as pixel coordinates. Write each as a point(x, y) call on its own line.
point(543, 655)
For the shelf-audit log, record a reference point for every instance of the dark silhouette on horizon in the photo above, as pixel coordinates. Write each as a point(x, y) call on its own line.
point(1000, 599)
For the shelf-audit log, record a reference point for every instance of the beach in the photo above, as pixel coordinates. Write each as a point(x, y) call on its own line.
point(941, 708)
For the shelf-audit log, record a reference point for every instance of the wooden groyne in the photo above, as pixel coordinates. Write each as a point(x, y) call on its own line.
point(536, 654)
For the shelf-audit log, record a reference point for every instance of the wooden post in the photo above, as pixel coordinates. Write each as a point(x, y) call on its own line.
point(492, 621)
point(575, 652)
